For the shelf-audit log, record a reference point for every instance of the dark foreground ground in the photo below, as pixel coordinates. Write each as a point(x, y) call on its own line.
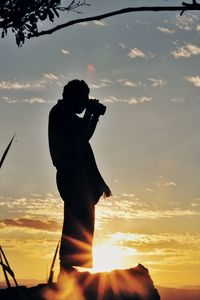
point(129, 284)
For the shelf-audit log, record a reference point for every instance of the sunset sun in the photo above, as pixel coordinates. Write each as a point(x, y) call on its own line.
point(108, 257)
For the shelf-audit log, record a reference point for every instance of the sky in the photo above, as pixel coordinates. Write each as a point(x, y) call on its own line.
point(145, 68)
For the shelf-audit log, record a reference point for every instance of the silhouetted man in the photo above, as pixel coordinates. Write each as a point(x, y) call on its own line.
point(79, 181)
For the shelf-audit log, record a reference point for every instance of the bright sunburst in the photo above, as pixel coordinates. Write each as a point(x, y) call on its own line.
point(109, 257)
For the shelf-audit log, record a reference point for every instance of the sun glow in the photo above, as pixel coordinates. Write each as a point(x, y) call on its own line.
point(109, 257)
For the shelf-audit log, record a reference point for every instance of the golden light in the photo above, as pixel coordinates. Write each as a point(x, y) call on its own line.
point(109, 257)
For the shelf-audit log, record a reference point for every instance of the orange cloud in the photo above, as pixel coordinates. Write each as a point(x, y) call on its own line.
point(26, 222)
point(91, 68)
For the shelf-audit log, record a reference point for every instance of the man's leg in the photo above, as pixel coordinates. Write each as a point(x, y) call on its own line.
point(77, 234)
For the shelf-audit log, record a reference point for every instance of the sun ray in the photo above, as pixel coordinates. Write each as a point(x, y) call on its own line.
point(102, 285)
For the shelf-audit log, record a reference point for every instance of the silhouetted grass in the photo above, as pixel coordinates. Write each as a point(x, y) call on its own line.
point(6, 151)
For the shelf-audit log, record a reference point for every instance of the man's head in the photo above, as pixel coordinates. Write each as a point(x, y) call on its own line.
point(76, 95)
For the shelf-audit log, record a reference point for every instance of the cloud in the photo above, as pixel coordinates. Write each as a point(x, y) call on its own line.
point(149, 189)
point(46, 79)
point(186, 50)
point(128, 26)
point(137, 53)
point(43, 206)
point(176, 100)
point(186, 23)
point(130, 207)
point(169, 245)
point(195, 204)
point(33, 100)
point(65, 51)
point(84, 24)
point(168, 183)
point(30, 223)
point(9, 99)
point(194, 79)
point(122, 45)
point(100, 23)
point(139, 100)
point(36, 100)
point(108, 214)
point(165, 30)
point(157, 82)
point(131, 101)
point(8, 85)
point(50, 76)
point(165, 182)
point(36, 247)
point(126, 82)
point(98, 85)
point(104, 82)
point(111, 99)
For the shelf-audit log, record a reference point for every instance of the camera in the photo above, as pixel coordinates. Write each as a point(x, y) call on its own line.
point(95, 107)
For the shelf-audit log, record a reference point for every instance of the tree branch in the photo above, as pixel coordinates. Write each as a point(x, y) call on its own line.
point(194, 6)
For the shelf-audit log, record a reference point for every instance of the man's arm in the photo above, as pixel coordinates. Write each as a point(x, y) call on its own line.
point(90, 120)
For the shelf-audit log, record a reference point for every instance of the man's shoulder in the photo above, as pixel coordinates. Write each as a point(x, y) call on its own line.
point(56, 108)
point(59, 115)
point(57, 111)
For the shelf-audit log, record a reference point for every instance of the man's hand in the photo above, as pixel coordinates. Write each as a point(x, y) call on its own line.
point(107, 193)
point(95, 108)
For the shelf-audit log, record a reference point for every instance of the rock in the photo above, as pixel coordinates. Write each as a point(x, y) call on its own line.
point(129, 284)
